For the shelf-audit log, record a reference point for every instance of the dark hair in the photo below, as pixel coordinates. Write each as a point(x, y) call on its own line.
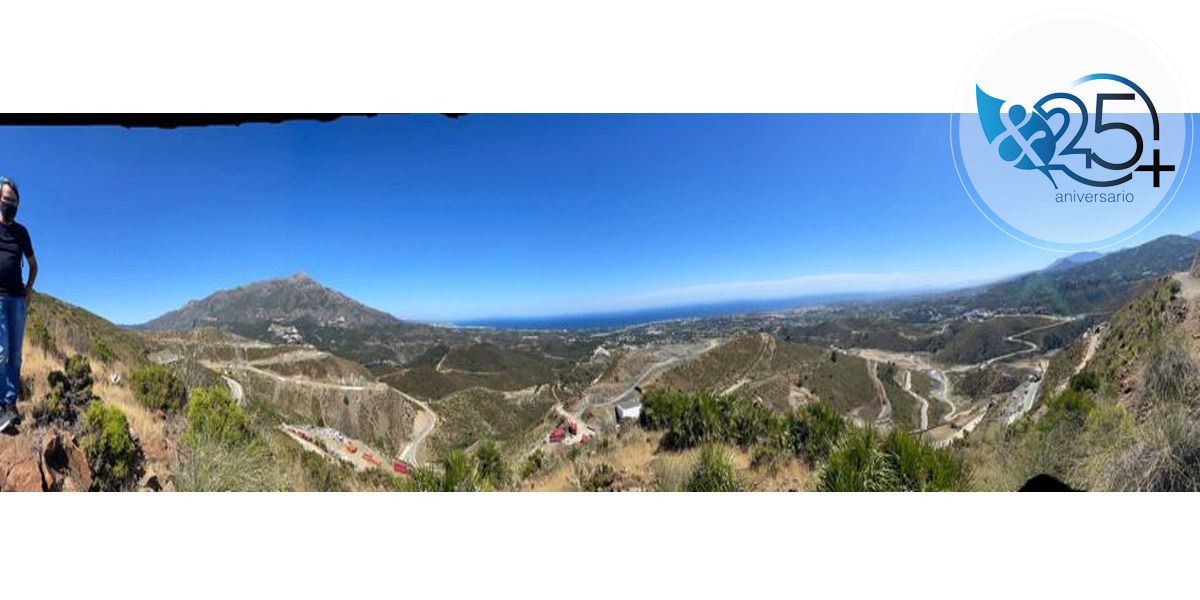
point(12, 184)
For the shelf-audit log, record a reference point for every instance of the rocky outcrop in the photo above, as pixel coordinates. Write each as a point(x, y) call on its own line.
point(43, 460)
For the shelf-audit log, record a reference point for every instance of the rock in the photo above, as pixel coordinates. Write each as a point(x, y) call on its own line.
point(149, 482)
point(63, 464)
point(19, 468)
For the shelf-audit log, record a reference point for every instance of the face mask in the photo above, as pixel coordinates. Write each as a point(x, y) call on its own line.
point(9, 211)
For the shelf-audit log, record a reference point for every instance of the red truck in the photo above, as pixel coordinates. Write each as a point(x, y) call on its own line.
point(400, 467)
point(557, 435)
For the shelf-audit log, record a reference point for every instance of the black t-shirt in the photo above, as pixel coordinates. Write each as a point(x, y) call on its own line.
point(14, 243)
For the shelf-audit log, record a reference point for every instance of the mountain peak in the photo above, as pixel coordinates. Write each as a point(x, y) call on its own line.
point(294, 298)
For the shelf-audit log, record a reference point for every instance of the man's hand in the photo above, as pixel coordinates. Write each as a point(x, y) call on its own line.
point(33, 269)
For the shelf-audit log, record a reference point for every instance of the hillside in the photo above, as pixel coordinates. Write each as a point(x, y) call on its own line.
point(1121, 415)
point(443, 370)
point(1073, 260)
point(293, 298)
point(299, 310)
point(1099, 285)
point(783, 374)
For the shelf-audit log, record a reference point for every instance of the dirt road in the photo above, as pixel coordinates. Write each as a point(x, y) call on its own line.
point(424, 422)
point(885, 404)
point(922, 400)
point(650, 372)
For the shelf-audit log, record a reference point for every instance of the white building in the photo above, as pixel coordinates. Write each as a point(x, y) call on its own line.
point(629, 409)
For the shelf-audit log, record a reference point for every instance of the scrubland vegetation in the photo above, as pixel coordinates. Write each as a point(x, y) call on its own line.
point(850, 458)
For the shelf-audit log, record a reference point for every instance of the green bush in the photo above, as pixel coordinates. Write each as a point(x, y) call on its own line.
point(457, 474)
point(533, 463)
point(111, 453)
point(897, 462)
point(70, 390)
point(813, 431)
point(1068, 409)
point(694, 419)
point(714, 472)
point(158, 387)
point(213, 413)
point(1086, 381)
point(104, 352)
point(490, 464)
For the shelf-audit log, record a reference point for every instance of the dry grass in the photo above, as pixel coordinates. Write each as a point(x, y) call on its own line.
point(637, 453)
point(37, 364)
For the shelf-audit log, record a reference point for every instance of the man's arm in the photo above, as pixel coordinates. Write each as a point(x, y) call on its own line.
point(32, 274)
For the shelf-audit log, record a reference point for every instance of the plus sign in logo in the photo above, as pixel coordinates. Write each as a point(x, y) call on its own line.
point(1071, 146)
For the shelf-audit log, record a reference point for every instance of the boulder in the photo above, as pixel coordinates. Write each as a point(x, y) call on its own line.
point(42, 460)
point(19, 465)
point(64, 466)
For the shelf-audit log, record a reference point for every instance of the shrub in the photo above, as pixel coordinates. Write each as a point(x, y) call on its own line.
point(1170, 376)
point(212, 413)
point(714, 472)
point(533, 463)
point(70, 389)
point(211, 465)
point(768, 457)
point(1086, 381)
point(897, 462)
point(671, 473)
point(111, 453)
point(599, 479)
point(490, 464)
point(692, 419)
point(104, 352)
point(1068, 409)
point(457, 474)
point(813, 431)
point(40, 335)
point(158, 387)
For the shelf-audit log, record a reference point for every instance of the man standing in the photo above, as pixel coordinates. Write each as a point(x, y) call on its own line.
point(14, 244)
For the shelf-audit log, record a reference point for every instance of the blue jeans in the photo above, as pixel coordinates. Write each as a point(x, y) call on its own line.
point(12, 334)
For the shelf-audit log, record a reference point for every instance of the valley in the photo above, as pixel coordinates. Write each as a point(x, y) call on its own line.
point(381, 403)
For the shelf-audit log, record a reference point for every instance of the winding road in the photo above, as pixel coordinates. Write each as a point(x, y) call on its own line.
point(423, 425)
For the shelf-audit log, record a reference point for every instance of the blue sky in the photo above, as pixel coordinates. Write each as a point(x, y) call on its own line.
point(511, 215)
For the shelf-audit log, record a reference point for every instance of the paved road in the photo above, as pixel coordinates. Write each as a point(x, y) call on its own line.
point(1022, 400)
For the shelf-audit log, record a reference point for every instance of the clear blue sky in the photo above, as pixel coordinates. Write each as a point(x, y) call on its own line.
point(496, 215)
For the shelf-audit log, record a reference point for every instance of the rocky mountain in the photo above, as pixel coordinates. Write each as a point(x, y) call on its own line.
point(299, 310)
point(294, 298)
